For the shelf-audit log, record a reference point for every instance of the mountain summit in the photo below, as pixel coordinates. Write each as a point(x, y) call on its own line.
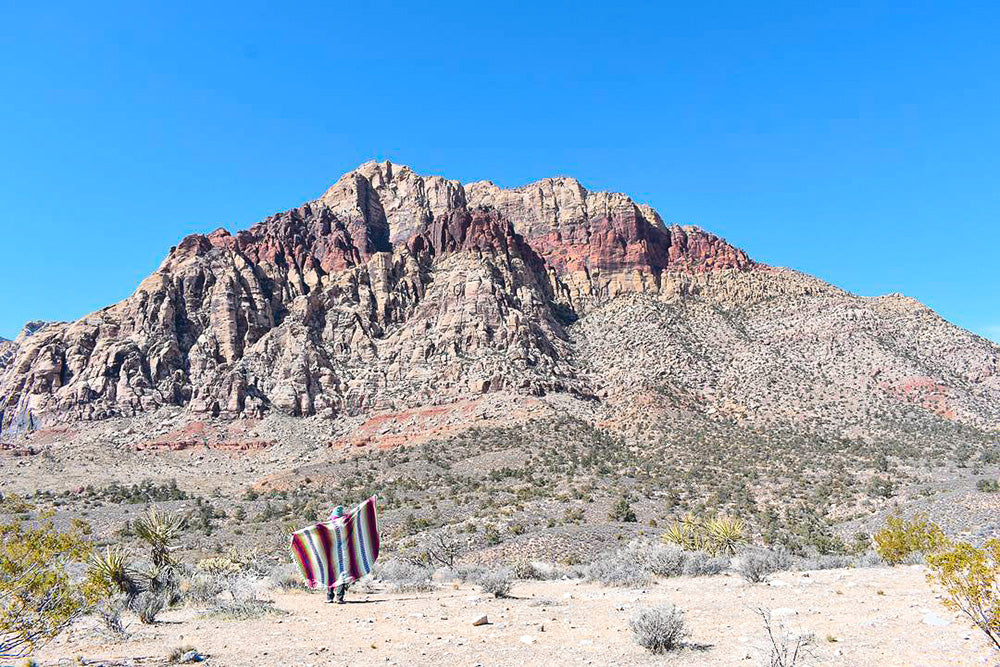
point(394, 291)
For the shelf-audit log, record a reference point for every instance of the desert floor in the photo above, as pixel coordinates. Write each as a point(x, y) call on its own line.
point(876, 616)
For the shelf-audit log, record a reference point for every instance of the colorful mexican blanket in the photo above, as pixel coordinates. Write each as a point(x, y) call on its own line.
point(338, 551)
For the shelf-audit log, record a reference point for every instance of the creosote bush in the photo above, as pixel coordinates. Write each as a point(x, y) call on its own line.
point(906, 538)
point(622, 511)
point(659, 629)
point(971, 578)
point(38, 599)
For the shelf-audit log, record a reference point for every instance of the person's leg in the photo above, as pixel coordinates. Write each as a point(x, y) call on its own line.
point(340, 593)
point(329, 593)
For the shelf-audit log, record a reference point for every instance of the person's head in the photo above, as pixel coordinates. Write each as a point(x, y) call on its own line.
point(338, 511)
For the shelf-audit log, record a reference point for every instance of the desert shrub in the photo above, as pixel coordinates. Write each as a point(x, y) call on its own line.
point(902, 538)
point(38, 599)
point(398, 570)
point(471, 572)
point(700, 564)
point(201, 588)
point(622, 511)
point(14, 504)
point(617, 569)
point(443, 549)
point(286, 576)
point(669, 560)
point(109, 613)
point(517, 528)
point(147, 605)
point(219, 566)
point(665, 560)
point(988, 485)
point(659, 629)
point(492, 536)
point(719, 536)
point(825, 562)
point(784, 649)
point(238, 598)
point(496, 583)
point(529, 569)
point(405, 577)
point(755, 564)
point(971, 578)
point(869, 559)
point(244, 610)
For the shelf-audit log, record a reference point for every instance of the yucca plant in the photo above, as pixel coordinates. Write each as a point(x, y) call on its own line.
point(111, 569)
point(724, 535)
point(683, 533)
point(159, 530)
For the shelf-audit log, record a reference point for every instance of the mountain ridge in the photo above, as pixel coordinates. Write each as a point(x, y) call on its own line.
point(393, 290)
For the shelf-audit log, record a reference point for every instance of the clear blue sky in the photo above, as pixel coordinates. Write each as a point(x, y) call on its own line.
point(859, 143)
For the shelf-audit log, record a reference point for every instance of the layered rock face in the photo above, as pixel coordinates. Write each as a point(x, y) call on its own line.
point(394, 290)
point(389, 290)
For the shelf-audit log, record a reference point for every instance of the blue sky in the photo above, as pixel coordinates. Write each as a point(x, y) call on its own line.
point(857, 142)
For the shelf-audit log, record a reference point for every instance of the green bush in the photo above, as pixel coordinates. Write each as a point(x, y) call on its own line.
point(902, 538)
point(622, 511)
point(37, 597)
point(988, 485)
point(971, 578)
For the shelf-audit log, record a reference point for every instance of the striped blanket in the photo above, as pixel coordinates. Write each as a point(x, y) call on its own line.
point(338, 551)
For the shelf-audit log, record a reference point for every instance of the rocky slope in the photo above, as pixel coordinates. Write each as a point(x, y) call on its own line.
point(393, 291)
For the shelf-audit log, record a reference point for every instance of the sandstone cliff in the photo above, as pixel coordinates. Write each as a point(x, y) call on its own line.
point(394, 290)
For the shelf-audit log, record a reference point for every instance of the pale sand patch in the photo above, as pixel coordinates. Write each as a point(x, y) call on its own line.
point(574, 623)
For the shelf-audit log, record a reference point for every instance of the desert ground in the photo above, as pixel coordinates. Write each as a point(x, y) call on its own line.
point(866, 616)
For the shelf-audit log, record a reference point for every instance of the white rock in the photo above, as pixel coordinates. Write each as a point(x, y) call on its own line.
point(930, 618)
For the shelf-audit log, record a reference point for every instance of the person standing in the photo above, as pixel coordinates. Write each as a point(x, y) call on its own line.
point(338, 512)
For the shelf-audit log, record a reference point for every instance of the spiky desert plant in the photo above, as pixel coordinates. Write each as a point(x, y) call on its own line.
point(683, 533)
point(718, 536)
point(112, 570)
point(724, 535)
point(159, 530)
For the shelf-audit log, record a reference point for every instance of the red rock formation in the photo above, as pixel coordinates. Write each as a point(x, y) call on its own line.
point(390, 291)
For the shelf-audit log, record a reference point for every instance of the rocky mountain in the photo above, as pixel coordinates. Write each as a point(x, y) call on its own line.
point(394, 291)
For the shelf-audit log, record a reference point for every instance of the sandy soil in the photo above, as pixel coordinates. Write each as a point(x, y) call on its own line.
point(877, 616)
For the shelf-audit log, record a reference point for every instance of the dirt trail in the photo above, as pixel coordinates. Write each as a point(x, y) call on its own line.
point(572, 623)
